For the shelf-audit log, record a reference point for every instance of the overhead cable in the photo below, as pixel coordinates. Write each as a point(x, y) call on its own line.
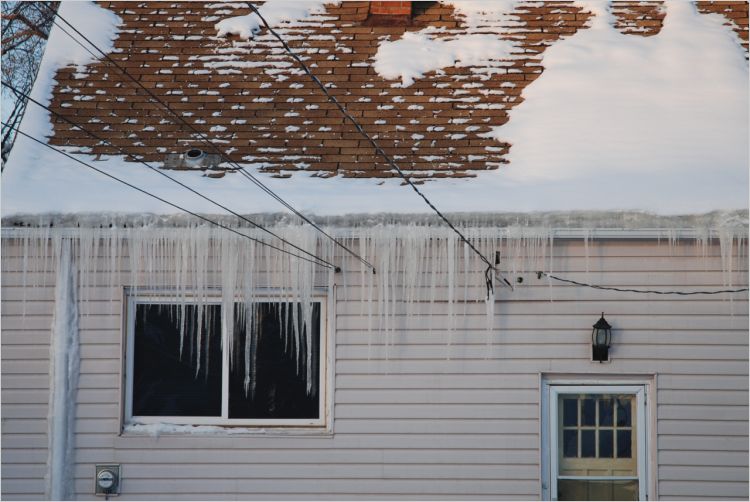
point(642, 291)
point(317, 261)
point(373, 143)
point(202, 137)
point(156, 170)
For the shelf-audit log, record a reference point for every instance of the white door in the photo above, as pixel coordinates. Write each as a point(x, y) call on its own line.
point(595, 442)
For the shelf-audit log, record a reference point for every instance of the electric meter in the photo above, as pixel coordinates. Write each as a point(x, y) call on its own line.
point(107, 481)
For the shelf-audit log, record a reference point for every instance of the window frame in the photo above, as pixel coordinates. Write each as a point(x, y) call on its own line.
point(323, 421)
point(551, 392)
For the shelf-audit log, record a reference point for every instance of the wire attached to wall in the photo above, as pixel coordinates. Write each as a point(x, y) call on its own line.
point(541, 274)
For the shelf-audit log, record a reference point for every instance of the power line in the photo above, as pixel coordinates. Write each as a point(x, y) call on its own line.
point(374, 144)
point(203, 138)
point(156, 170)
point(317, 261)
point(643, 291)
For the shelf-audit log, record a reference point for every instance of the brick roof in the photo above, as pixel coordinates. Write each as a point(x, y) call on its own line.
point(249, 97)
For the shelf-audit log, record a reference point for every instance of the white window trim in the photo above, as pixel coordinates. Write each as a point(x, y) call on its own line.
point(323, 423)
point(551, 390)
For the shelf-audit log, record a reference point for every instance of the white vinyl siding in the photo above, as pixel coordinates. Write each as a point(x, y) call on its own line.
point(430, 421)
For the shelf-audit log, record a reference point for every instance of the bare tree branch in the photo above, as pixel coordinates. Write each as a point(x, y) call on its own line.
point(25, 29)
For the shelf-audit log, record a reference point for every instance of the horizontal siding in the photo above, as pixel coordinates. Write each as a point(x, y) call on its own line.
point(422, 410)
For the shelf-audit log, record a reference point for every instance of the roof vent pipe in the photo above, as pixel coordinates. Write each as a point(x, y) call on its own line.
point(194, 158)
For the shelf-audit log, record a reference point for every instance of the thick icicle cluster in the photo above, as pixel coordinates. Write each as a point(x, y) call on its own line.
point(418, 265)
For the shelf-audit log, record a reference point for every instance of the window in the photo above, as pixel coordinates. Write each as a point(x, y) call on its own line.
point(595, 442)
point(262, 364)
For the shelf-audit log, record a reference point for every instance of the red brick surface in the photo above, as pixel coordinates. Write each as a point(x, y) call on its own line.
point(734, 12)
point(277, 118)
point(391, 8)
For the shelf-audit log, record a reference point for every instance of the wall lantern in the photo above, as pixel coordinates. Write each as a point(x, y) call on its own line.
point(601, 337)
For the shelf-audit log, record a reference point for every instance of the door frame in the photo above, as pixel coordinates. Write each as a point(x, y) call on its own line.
point(553, 388)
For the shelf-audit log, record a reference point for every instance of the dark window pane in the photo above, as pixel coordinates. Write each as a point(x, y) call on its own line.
point(268, 375)
point(606, 411)
point(570, 412)
point(623, 444)
point(623, 412)
point(588, 443)
point(605, 444)
point(588, 412)
point(168, 381)
point(570, 443)
point(579, 489)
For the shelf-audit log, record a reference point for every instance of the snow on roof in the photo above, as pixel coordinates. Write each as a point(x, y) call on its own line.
point(615, 121)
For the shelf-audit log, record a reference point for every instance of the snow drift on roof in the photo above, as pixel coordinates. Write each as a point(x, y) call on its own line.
point(670, 109)
point(615, 122)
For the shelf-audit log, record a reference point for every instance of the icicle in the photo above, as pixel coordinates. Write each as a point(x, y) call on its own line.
point(228, 268)
point(450, 243)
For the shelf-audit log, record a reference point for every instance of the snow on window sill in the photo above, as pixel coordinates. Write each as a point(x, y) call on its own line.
point(167, 429)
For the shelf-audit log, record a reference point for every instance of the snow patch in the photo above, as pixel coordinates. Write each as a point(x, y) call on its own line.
point(274, 11)
point(417, 53)
point(668, 113)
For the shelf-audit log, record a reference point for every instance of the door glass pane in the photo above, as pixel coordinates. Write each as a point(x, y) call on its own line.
point(588, 443)
point(576, 489)
point(606, 440)
point(570, 443)
point(623, 412)
point(624, 439)
point(588, 412)
point(570, 412)
point(606, 410)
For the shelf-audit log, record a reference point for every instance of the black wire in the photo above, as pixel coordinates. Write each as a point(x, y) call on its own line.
point(159, 171)
point(208, 220)
point(645, 291)
point(203, 138)
point(372, 142)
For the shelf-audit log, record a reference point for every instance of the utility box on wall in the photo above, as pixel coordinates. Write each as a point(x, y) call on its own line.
point(107, 480)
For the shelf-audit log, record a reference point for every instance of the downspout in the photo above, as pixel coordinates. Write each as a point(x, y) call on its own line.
point(64, 371)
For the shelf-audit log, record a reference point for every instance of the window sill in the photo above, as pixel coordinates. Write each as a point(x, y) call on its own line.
point(167, 429)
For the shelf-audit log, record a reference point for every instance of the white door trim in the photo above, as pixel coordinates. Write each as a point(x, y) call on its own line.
point(551, 389)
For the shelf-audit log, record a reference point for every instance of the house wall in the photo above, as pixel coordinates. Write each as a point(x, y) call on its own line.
point(429, 421)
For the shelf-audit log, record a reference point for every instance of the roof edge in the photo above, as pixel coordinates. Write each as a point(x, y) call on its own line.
point(594, 224)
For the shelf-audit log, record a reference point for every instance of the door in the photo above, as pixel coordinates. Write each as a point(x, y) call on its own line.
point(596, 442)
